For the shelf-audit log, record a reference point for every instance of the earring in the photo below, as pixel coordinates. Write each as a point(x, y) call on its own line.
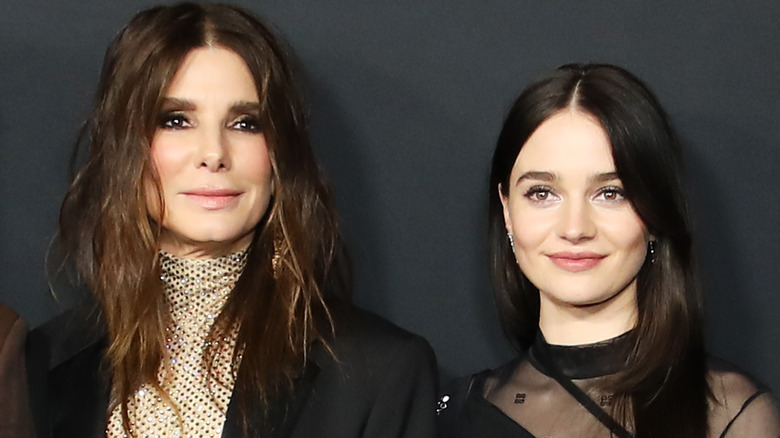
point(511, 241)
point(651, 250)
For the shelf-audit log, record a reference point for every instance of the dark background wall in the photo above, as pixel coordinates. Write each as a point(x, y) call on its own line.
point(407, 98)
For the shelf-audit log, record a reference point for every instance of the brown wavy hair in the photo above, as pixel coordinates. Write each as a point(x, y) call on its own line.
point(105, 229)
point(662, 389)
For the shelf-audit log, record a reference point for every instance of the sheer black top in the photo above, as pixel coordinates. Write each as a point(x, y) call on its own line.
point(551, 392)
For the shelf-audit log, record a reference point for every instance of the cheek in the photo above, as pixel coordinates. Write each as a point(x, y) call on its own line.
point(628, 234)
point(256, 170)
point(261, 173)
point(530, 233)
point(168, 157)
point(165, 157)
point(530, 228)
point(638, 247)
point(171, 156)
point(152, 197)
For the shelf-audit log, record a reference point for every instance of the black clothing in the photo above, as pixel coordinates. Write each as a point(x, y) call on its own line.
point(381, 384)
point(15, 418)
point(551, 392)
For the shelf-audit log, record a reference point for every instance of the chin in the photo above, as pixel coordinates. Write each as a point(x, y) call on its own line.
point(221, 240)
point(232, 239)
point(581, 298)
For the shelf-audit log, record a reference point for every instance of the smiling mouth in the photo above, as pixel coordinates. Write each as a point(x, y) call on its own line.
point(576, 262)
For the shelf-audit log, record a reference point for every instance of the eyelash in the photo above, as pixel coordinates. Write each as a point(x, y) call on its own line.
point(619, 192)
point(173, 120)
point(177, 120)
point(533, 193)
point(249, 124)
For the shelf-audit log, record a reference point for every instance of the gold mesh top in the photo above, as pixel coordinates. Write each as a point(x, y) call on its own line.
point(196, 291)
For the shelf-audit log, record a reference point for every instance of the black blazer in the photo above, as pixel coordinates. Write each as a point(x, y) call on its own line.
point(382, 384)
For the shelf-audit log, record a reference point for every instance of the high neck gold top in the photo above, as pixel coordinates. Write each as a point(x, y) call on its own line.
point(194, 402)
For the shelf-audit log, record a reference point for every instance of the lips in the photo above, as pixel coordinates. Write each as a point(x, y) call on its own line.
point(576, 261)
point(213, 198)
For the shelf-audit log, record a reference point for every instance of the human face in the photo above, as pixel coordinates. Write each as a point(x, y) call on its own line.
point(576, 237)
point(211, 157)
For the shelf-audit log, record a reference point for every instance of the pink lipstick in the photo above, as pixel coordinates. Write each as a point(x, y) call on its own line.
point(212, 199)
point(576, 261)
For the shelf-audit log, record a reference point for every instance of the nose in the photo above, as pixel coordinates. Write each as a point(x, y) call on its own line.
point(576, 222)
point(214, 151)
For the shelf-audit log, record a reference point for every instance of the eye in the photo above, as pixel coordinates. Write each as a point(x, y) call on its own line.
point(249, 124)
point(173, 120)
point(540, 194)
point(611, 194)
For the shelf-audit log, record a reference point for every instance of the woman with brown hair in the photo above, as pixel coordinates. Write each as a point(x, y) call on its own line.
point(207, 236)
point(591, 258)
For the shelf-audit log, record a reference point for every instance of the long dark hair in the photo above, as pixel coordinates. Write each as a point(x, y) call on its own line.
point(278, 308)
point(662, 389)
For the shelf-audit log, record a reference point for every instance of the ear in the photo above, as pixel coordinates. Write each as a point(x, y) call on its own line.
point(505, 205)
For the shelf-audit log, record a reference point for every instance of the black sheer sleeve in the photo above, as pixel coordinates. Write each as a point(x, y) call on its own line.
point(740, 407)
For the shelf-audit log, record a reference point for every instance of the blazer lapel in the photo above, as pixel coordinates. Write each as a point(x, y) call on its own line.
point(69, 393)
point(279, 419)
point(81, 392)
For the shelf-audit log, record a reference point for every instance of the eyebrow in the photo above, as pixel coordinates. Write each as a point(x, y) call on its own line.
point(537, 175)
point(551, 176)
point(604, 177)
point(171, 103)
point(246, 107)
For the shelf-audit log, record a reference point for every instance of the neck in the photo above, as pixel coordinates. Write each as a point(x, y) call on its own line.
point(577, 325)
point(186, 249)
point(196, 290)
point(189, 275)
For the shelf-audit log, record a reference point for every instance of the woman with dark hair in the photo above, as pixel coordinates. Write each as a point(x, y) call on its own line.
point(591, 258)
point(206, 233)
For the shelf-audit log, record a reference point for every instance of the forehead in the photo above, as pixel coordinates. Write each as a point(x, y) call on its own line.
point(568, 141)
point(213, 71)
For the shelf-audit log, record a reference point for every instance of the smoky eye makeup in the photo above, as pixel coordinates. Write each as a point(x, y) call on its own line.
point(247, 123)
point(174, 113)
point(173, 119)
point(245, 117)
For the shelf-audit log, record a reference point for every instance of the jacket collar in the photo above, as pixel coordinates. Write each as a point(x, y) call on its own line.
point(86, 346)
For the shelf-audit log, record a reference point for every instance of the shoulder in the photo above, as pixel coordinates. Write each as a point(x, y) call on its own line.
point(739, 405)
point(12, 330)
point(457, 390)
point(15, 419)
point(64, 358)
point(66, 336)
point(378, 379)
point(369, 354)
point(364, 336)
point(460, 396)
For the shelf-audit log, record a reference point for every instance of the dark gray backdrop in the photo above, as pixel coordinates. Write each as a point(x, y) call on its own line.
point(406, 100)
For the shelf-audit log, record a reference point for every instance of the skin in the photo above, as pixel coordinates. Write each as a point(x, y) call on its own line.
point(577, 239)
point(211, 157)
